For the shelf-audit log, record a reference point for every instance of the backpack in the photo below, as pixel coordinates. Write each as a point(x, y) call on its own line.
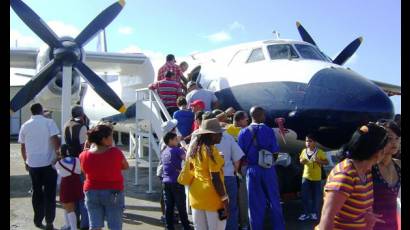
point(72, 137)
point(265, 157)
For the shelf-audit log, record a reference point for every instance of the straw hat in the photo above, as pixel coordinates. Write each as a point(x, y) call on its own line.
point(210, 126)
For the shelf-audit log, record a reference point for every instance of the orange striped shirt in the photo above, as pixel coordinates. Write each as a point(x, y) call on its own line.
point(344, 178)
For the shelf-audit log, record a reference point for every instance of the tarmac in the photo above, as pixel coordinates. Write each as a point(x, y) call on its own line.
point(142, 209)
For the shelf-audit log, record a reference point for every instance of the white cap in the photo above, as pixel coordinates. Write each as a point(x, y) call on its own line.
point(167, 126)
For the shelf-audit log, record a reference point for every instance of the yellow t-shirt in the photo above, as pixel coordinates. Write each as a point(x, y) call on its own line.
point(312, 170)
point(202, 193)
point(233, 131)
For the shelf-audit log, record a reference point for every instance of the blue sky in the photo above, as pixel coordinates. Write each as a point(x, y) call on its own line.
point(183, 27)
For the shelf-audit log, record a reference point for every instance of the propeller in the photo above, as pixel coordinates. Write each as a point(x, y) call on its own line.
point(348, 51)
point(343, 56)
point(65, 51)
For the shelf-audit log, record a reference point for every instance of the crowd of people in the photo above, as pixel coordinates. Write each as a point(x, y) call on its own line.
point(230, 156)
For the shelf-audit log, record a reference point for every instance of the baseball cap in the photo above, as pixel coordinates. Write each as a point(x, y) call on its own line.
point(198, 103)
point(167, 126)
point(77, 111)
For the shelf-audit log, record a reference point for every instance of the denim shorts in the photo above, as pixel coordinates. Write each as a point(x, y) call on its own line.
point(105, 205)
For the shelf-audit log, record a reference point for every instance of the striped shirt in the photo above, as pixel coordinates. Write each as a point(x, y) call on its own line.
point(168, 91)
point(344, 178)
point(169, 66)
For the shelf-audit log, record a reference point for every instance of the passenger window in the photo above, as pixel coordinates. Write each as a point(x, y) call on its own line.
point(256, 55)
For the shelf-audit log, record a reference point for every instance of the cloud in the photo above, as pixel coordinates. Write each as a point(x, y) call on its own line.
point(157, 58)
point(23, 40)
point(236, 26)
point(126, 30)
point(219, 37)
point(63, 29)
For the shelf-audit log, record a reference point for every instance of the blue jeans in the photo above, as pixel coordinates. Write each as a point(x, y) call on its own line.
point(231, 186)
point(105, 204)
point(311, 195)
point(81, 210)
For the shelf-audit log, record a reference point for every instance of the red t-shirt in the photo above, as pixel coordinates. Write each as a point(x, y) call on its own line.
point(103, 170)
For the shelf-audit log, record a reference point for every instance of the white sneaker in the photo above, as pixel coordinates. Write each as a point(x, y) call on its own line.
point(313, 216)
point(303, 217)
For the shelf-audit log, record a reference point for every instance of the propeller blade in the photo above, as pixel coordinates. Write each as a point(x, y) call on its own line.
point(34, 86)
point(100, 87)
point(348, 51)
point(99, 23)
point(35, 23)
point(304, 34)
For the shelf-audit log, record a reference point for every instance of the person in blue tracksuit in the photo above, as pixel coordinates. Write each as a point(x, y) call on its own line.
point(262, 182)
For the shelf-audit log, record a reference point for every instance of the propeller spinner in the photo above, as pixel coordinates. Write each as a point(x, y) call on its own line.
point(343, 56)
point(65, 51)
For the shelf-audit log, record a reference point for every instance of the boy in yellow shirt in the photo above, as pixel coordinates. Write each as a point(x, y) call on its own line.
point(313, 159)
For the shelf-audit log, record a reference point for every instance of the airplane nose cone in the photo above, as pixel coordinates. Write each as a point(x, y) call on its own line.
point(345, 90)
point(339, 100)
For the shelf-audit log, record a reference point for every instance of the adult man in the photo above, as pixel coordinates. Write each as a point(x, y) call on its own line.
point(39, 148)
point(232, 154)
point(184, 66)
point(207, 96)
point(170, 65)
point(75, 135)
point(240, 121)
point(168, 90)
point(261, 176)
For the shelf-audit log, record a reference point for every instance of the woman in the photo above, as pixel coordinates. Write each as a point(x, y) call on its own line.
point(387, 179)
point(349, 189)
point(207, 194)
point(104, 183)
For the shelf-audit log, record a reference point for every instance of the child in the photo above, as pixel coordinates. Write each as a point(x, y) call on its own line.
point(185, 118)
point(312, 158)
point(70, 189)
point(174, 193)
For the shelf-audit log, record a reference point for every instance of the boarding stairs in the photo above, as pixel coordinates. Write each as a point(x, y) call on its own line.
point(148, 132)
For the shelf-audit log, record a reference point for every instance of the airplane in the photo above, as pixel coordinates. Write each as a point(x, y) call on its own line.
point(67, 54)
point(293, 80)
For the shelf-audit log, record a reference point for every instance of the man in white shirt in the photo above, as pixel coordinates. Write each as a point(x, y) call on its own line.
point(207, 96)
point(40, 148)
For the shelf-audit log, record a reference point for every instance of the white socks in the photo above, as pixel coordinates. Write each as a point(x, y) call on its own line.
point(72, 219)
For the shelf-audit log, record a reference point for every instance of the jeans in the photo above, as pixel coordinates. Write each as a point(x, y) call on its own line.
point(207, 220)
point(243, 200)
point(311, 195)
point(232, 189)
point(44, 200)
point(105, 204)
point(174, 193)
point(81, 210)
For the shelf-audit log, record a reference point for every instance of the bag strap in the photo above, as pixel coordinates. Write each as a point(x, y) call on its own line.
point(71, 171)
point(254, 139)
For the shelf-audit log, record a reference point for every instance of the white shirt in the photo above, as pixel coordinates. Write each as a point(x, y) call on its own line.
point(35, 134)
point(231, 152)
point(63, 172)
point(204, 95)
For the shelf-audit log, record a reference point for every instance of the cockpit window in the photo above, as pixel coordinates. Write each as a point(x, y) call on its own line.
point(256, 55)
point(310, 52)
point(282, 51)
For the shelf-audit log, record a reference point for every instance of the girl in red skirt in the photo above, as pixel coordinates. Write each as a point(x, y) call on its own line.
point(71, 190)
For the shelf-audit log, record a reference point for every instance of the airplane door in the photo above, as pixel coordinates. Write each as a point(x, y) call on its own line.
point(15, 121)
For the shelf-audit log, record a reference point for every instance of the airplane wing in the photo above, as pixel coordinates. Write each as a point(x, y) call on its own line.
point(390, 89)
point(122, 63)
point(23, 58)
